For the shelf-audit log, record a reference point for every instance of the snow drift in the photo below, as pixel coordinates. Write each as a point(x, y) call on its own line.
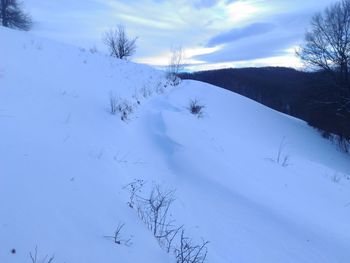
point(64, 160)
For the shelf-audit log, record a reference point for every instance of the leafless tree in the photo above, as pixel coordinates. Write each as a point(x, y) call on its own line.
point(188, 252)
point(175, 64)
point(119, 44)
point(327, 47)
point(13, 16)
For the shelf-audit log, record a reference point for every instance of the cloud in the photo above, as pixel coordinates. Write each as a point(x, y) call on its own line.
point(243, 29)
point(239, 33)
point(205, 3)
point(257, 47)
point(274, 37)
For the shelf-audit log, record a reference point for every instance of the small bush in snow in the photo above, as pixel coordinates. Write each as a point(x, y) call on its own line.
point(196, 108)
point(117, 237)
point(281, 158)
point(34, 257)
point(93, 50)
point(113, 103)
point(160, 88)
point(136, 97)
point(125, 108)
point(343, 144)
point(154, 211)
point(336, 178)
point(134, 188)
point(188, 252)
point(146, 92)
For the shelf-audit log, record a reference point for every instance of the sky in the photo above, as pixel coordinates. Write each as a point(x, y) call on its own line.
point(212, 33)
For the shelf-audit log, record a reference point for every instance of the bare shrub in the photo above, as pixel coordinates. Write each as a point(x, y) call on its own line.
point(281, 158)
point(119, 44)
point(175, 65)
point(34, 257)
point(343, 144)
point(134, 188)
point(117, 237)
point(196, 108)
point(188, 252)
point(336, 178)
point(160, 87)
point(154, 212)
point(93, 50)
point(136, 96)
point(123, 106)
point(146, 92)
point(125, 109)
point(113, 103)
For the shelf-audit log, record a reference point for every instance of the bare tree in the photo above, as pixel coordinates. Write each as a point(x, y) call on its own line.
point(175, 64)
point(12, 15)
point(119, 44)
point(327, 47)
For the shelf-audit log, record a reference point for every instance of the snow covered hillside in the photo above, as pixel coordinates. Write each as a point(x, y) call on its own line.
point(65, 159)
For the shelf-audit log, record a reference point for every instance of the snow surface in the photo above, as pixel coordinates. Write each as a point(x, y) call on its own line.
point(64, 160)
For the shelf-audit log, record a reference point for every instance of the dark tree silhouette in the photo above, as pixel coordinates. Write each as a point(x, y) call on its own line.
point(327, 47)
point(118, 43)
point(13, 16)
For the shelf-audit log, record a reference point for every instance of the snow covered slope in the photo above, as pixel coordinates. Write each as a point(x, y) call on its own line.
point(64, 160)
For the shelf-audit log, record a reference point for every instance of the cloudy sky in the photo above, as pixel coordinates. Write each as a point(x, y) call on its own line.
point(213, 33)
